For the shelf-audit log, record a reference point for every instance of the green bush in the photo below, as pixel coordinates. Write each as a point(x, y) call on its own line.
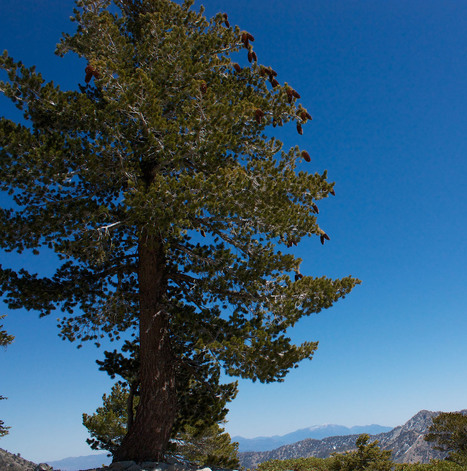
point(297, 464)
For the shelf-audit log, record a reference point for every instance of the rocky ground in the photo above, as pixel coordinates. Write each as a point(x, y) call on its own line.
point(11, 462)
point(150, 466)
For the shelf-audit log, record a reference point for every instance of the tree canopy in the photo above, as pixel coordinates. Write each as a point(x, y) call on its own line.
point(170, 209)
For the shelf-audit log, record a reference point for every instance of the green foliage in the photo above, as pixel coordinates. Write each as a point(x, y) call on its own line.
point(207, 446)
point(5, 338)
point(449, 434)
point(157, 187)
point(367, 457)
point(329, 464)
point(435, 465)
point(297, 464)
point(107, 426)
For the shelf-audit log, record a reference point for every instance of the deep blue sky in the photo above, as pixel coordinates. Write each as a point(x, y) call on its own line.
point(386, 85)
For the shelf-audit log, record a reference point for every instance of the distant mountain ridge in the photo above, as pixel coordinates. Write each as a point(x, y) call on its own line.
point(406, 441)
point(81, 462)
point(316, 431)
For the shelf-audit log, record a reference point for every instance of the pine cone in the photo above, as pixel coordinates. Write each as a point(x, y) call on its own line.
point(274, 82)
point(259, 115)
point(324, 237)
point(90, 73)
point(245, 38)
point(306, 156)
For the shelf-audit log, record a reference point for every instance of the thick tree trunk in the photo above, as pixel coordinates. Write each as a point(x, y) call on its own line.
point(149, 435)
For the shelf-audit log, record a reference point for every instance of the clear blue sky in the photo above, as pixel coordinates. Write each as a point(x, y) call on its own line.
point(385, 82)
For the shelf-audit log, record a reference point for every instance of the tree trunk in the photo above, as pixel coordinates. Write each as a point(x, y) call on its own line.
point(148, 437)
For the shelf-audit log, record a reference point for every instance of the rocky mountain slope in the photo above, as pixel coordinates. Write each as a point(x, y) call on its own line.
point(406, 441)
point(10, 462)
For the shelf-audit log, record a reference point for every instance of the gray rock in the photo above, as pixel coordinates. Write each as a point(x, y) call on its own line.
point(121, 465)
point(179, 467)
point(43, 467)
point(134, 467)
point(154, 466)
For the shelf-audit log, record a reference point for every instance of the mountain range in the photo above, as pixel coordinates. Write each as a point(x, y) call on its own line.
point(406, 442)
point(81, 462)
point(316, 431)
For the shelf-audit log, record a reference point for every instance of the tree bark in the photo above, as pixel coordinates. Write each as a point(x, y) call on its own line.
point(130, 405)
point(149, 435)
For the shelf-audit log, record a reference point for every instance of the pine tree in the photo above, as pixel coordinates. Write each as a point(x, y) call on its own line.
point(207, 446)
point(108, 425)
point(449, 434)
point(169, 208)
point(367, 457)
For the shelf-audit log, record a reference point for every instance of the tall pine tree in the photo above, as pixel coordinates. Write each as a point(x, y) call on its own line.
point(169, 208)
